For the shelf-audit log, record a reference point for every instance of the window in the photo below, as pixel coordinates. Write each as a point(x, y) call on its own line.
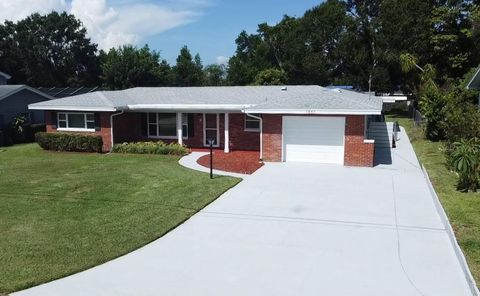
point(252, 124)
point(76, 121)
point(164, 125)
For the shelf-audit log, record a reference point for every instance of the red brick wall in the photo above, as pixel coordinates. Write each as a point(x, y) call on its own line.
point(104, 132)
point(239, 138)
point(272, 137)
point(357, 153)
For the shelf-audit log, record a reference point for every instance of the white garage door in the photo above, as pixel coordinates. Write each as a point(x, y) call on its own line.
point(313, 139)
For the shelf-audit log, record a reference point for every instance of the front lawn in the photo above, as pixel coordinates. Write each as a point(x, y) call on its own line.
point(463, 209)
point(61, 213)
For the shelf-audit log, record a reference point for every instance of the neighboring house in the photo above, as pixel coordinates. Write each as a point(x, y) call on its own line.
point(4, 77)
point(284, 123)
point(14, 100)
point(62, 92)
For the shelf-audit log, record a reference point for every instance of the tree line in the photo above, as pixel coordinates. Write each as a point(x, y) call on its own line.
point(352, 42)
point(54, 50)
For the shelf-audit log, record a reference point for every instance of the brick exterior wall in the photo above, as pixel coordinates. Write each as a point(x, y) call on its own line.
point(272, 137)
point(104, 127)
point(128, 127)
point(357, 153)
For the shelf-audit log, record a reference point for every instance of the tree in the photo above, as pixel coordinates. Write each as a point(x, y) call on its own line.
point(453, 38)
point(252, 56)
point(48, 50)
point(129, 66)
point(215, 75)
point(188, 71)
point(271, 77)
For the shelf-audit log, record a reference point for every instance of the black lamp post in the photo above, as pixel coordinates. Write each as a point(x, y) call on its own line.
point(210, 142)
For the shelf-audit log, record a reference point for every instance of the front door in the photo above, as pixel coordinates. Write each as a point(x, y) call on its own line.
point(210, 129)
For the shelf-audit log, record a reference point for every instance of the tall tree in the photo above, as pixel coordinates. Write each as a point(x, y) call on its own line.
point(215, 75)
point(129, 66)
point(252, 56)
point(48, 50)
point(188, 71)
point(453, 41)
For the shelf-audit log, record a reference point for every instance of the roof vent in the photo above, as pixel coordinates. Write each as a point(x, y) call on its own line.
point(284, 88)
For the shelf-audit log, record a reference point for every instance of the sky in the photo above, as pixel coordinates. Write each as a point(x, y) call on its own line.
point(207, 27)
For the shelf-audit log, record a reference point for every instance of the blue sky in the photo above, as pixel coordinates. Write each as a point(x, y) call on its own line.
point(208, 27)
point(213, 34)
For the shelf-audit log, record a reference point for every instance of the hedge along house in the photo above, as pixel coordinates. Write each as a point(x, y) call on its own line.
point(283, 123)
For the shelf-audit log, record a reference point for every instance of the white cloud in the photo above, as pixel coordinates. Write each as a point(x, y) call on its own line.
point(112, 25)
point(129, 24)
point(15, 10)
point(221, 60)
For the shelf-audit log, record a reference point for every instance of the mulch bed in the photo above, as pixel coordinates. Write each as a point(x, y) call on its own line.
point(243, 162)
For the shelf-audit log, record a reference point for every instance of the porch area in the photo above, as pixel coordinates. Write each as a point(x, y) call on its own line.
point(228, 131)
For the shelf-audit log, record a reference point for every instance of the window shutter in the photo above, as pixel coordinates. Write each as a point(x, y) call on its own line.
point(53, 119)
point(144, 124)
point(97, 121)
point(191, 125)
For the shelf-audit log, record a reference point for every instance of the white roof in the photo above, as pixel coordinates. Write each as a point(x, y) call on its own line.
point(249, 99)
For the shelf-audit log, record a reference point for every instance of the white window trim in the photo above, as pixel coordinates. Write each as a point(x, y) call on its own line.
point(249, 118)
point(75, 129)
point(184, 136)
point(205, 144)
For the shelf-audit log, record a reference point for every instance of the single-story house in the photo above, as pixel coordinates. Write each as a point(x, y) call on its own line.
point(283, 123)
point(14, 100)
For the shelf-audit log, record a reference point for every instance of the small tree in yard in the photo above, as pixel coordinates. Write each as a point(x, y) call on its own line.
point(466, 162)
point(432, 99)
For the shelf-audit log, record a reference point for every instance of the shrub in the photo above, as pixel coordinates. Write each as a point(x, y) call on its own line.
point(6, 138)
point(30, 130)
point(465, 159)
point(69, 142)
point(432, 106)
point(157, 147)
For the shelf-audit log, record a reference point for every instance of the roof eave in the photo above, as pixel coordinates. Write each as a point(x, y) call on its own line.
point(314, 111)
point(188, 107)
point(73, 108)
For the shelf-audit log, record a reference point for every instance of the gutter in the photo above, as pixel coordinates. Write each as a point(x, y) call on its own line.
point(71, 108)
point(313, 111)
point(111, 126)
point(261, 132)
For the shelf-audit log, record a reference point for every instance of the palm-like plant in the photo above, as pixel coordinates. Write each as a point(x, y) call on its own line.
point(466, 161)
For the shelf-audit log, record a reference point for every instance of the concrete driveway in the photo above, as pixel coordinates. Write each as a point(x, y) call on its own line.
point(296, 229)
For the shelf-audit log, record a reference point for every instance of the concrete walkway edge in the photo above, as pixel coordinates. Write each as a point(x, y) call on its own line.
point(190, 161)
point(451, 236)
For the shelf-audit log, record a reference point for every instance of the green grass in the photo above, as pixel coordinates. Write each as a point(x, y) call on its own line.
point(61, 213)
point(463, 209)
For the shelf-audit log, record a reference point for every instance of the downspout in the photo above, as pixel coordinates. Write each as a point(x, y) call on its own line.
point(261, 133)
point(111, 125)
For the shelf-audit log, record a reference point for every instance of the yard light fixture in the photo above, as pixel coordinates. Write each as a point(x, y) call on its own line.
point(210, 142)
